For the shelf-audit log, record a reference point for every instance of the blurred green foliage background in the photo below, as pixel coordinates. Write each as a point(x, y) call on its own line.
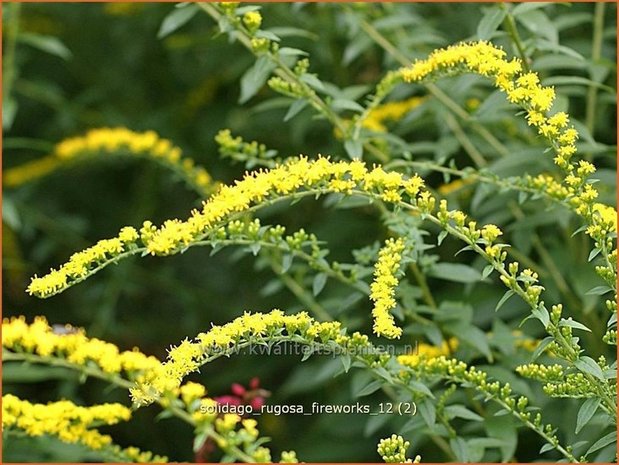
point(81, 66)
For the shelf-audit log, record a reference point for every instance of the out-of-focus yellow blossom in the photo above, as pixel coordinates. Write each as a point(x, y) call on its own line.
point(453, 186)
point(426, 351)
point(472, 104)
point(71, 424)
point(114, 141)
point(202, 95)
point(207, 410)
point(390, 112)
point(524, 342)
point(249, 425)
point(227, 422)
point(122, 8)
point(65, 420)
point(32, 170)
point(298, 175)
point(191, 391)
point(378, 117)
point(383, 288)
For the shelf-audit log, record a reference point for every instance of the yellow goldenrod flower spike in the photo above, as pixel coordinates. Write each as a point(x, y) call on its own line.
point(71, 424)
point(383, 288)
point(297, 176)
point(525, 89)
point(249, 328)
point(115, 141)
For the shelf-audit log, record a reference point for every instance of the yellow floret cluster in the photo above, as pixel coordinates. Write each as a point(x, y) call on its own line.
point(115, 141)
point(298, 176)
point(72, 424)
point(604, 219)
point(393, 450)
point(383, 288)
point(73, 345)
point(65, 420)
point(252, 21)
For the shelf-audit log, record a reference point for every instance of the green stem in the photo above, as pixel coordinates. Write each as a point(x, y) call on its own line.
point(548, 261)
point(383, 42)
point(468, 119)
point(423, 284)
point(596, 54)
point(466, 143)
point(300, 293)
point(512, 30)
point(95, 372)
point(514, 183)
point(12, 31)
point(282, 70)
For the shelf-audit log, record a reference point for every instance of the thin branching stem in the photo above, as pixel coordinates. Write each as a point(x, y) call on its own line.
point(596, 54)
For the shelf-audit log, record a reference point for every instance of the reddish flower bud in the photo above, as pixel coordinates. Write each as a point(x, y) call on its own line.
point(238, 390)
point(257, 403)
point(254, 383)
point(229, 400)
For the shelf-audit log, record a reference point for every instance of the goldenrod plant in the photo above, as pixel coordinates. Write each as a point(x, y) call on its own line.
point(434, 231)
